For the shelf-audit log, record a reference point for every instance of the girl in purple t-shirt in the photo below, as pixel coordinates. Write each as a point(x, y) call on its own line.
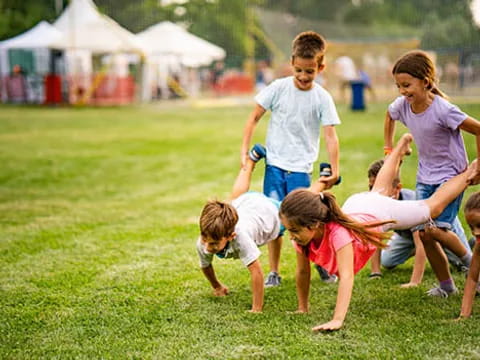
point(435, 125)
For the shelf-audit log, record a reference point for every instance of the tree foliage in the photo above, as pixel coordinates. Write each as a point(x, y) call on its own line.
point(440, 23)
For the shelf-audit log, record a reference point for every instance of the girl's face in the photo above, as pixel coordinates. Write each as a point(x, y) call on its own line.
point(300, 234)
point(413, 89)
point(305, 71)
point(473, 219)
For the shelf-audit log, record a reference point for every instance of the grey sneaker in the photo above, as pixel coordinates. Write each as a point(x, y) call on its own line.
point(325, 276)
point(439, 292)
point(273, 279)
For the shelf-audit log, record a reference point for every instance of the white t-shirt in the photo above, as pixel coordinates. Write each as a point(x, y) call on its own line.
point(293, 136)
point(258, 223)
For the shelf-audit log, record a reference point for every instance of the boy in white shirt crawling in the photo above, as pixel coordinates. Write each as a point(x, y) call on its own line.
point(236, 230)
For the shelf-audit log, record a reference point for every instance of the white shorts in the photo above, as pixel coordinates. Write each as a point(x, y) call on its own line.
point(405, 213)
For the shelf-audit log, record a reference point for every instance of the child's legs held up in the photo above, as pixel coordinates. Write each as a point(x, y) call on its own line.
point(243, 180)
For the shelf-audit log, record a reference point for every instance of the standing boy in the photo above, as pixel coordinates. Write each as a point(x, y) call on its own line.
point(299, 108)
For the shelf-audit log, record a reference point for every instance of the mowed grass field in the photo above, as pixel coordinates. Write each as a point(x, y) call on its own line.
point(99, 211)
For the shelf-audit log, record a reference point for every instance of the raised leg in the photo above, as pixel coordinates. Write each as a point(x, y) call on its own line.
point(449, 190)
point(242, 182)
point(384, 181)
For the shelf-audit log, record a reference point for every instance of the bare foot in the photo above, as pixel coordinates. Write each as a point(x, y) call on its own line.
point(473, 174)
point(404, 144)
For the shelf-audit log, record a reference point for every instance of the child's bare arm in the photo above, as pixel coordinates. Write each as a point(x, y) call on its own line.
point(473, 127)
point(471, 284)
point(302, 276)
point(345, 287)
point(218, 288)
point(248, 130)
point(419, 263)
point(256, 275)
point(332, 145)
point(388, 132)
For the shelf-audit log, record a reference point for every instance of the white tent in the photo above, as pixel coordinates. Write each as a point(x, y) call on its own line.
point(42, 35)
point(167, 38)
point(86, 28)
point(38, 39)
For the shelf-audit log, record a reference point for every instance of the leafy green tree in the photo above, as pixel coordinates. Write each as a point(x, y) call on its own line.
point(18, 16)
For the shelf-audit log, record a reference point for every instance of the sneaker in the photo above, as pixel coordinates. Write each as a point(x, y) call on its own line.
point(325, 276)
point(326, 170)
point(257, 152)
point(273, 279)
point(439, 292)
point(332, 279)
point(375, 275)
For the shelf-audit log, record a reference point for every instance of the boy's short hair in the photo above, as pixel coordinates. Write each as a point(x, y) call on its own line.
point(473, 202)
point(218, 220)
point(309, 45)
point(374, 169)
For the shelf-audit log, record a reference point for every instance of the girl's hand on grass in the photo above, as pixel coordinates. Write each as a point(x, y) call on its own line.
point(329, 326)
point(409, 285)
point(220, 291)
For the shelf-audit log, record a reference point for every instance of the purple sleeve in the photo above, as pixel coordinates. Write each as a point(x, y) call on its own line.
point(454, 117)
point(395, 108)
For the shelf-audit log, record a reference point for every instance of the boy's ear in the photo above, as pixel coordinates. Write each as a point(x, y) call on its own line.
point(321, 67)
point(232, 236)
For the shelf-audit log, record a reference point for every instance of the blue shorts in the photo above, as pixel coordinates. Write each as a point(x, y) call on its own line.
point(446, 218)
point(278, 182)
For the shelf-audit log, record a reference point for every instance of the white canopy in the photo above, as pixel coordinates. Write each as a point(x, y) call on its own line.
point(42, 35)
point(86, 28)
point(166, 38)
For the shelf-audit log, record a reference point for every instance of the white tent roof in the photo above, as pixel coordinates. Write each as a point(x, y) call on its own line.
point(86, 28)
point(42, 35)
point(166, 38)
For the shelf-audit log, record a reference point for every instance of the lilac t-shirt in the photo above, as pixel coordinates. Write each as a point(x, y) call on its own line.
point(441, 150)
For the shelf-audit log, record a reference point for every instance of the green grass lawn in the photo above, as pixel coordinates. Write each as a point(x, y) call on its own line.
point(99, 212)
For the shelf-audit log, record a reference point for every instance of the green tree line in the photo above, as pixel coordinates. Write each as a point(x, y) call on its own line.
point(439, 23)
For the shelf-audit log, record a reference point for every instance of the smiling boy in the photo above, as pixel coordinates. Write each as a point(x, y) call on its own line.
point(299, 108)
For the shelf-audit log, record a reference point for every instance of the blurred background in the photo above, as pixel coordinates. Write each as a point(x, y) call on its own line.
point(114, 52)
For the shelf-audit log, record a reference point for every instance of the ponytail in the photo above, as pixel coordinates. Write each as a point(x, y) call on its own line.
point(306, 209)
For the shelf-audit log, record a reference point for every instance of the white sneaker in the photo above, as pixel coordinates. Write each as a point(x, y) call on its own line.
point(439, 292)
point(273, 279)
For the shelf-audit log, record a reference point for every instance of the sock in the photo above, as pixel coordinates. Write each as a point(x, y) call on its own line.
point(448, 285)
point(466, 259)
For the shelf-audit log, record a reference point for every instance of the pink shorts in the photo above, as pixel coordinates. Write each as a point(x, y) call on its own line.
point(405, 213)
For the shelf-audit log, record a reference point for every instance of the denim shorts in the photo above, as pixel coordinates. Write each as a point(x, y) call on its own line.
point(278, 182)
point(446, 218)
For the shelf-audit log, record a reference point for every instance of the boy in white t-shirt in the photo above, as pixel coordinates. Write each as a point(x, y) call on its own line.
point(300, 108)
point(236, 230)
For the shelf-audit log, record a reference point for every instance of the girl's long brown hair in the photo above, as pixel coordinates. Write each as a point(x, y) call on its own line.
point(306, 209)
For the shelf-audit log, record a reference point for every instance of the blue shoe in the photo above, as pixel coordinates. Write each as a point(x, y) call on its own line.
point(257, 152)
point(326, 170)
